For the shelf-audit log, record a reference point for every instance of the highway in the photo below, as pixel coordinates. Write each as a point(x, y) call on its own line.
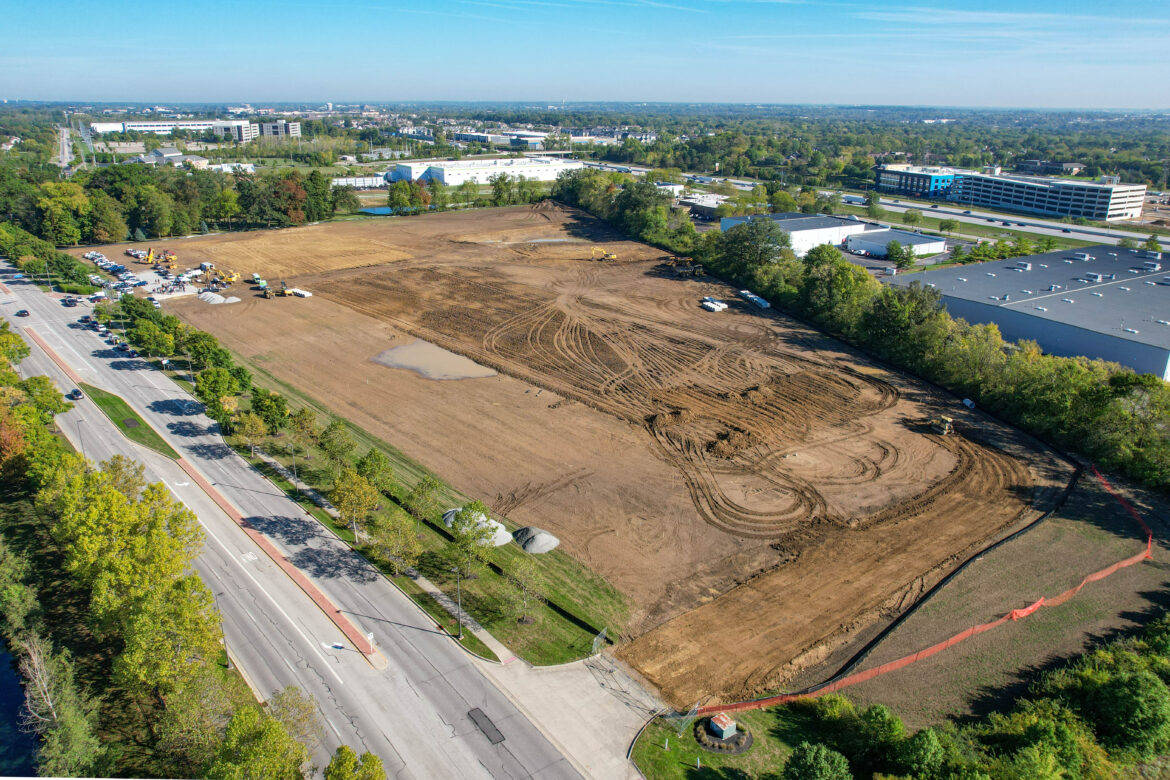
point(1036, 225)
point(413, 712)
point(64, 147)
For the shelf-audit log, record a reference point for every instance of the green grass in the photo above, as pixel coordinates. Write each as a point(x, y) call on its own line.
point(661, 754)
point(345, 533)
point(580, 601)
point(119, 412)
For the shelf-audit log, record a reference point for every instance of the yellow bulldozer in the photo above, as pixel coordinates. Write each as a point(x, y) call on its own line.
point(598, 252)
point(942, 425)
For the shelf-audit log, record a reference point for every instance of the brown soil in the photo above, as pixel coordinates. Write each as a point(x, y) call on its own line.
point(759, 491)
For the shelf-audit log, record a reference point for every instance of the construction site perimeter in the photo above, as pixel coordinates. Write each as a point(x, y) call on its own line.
point(764, 495)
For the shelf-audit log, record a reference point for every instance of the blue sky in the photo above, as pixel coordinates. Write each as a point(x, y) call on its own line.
point(1044, 53)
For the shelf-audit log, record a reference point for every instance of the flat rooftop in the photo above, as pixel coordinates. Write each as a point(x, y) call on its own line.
point(1058, 288)
point(793, 221)
point(903, 237)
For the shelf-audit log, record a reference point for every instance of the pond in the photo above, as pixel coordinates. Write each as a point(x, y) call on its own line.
point(18, 750)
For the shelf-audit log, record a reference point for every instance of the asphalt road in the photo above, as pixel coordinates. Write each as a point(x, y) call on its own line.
point(64, 147)
point(413, 713)
point(1035, 225)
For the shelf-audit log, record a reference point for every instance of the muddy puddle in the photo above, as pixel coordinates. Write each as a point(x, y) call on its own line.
point(432, 361)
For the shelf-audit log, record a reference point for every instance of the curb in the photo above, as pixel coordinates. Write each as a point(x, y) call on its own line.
point(383, 575)
point(296, 575)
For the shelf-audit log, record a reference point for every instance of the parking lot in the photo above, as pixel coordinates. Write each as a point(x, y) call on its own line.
point(154, 281)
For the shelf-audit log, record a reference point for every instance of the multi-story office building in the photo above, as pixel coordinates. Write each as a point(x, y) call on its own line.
point(281, 128)
point(918, 181)
point(238, 130)
point(1105, 199)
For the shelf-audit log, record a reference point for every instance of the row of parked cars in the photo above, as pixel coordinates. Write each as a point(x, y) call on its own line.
point(112, 339)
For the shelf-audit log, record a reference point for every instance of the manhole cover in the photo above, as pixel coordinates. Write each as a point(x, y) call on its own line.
point(130, 423)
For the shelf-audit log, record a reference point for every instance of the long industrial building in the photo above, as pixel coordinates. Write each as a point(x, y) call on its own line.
point(238, 130)
point(455, 172)
point(1105, 199)
point(1099, 302)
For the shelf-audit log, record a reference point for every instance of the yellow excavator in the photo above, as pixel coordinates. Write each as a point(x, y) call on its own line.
point(943, 426)
point(283, 292)
point(599, 252)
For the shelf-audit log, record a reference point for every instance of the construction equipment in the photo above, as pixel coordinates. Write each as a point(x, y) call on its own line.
point(230, 276)
point(942, 425)
point(599, 252)
point(284, 293)
point(268, 293)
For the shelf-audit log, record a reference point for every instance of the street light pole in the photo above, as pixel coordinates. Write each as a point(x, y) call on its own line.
point(222, 635)
point(459, 600)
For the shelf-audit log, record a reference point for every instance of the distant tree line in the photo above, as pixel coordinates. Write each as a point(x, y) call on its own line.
point(138, 202)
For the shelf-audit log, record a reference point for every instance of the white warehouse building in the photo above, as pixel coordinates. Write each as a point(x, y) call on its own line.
point(874, 242)
point(806, 230)
point(455, 172)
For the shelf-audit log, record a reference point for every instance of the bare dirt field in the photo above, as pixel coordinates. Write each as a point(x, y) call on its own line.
point(761, 492)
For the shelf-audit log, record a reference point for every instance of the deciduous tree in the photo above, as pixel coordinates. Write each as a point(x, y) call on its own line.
point(353, 496)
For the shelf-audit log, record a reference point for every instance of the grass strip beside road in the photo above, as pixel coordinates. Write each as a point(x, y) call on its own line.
point(120, 412)
point(579, 601)
point(404, 583)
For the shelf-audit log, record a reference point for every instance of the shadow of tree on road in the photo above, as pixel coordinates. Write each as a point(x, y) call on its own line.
point(190, 429)
point(333, 563)
point(292, 531)
point(175, 406)
point(209, 451)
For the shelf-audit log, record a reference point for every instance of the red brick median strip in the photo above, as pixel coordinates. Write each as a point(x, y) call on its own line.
point(303, 582)
point(69, 372)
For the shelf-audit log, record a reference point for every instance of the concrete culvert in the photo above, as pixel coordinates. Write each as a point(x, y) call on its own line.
point(500, 535)
point(535, 540)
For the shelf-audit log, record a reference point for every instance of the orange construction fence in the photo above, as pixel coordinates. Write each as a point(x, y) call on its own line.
point(1015, 614)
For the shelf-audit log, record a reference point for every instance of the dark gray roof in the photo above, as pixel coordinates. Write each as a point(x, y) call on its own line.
point(1133, 298)
point(903, 237)
point(794, 221)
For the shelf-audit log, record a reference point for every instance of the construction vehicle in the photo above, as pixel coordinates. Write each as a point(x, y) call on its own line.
point(942, 425)
point(283, 292)
point(230, 276)
point(599, 252)
point(268, 293)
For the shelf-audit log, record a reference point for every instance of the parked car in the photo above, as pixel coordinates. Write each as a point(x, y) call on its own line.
point(122, 347)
